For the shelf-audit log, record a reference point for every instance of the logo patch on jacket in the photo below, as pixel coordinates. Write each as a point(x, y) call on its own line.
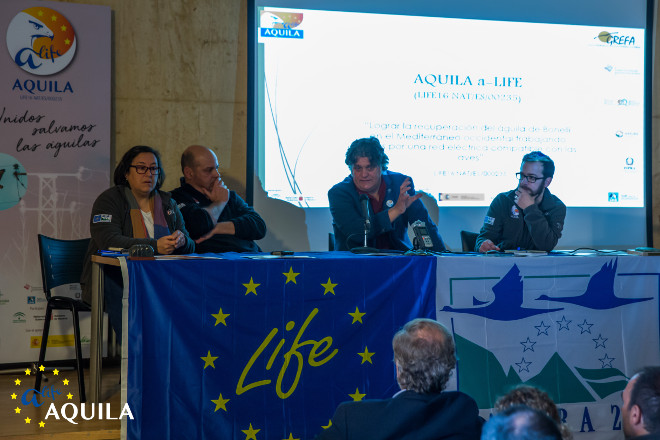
point(514, 212)
point(489, 220)
point(102, 218)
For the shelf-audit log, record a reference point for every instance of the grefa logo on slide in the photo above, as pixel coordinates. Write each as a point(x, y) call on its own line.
point(613, 39)
point(41, 41)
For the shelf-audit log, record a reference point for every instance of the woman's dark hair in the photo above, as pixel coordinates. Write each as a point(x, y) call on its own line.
point(123, 167)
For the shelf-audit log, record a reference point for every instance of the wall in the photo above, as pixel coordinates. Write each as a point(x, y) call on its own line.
point(180, 77)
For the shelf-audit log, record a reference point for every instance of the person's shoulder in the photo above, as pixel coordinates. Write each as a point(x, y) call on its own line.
point(111, 193)
point(344, 185)
point(555, 201)
point(506, 196)
point(180, 192)
point(393, 175)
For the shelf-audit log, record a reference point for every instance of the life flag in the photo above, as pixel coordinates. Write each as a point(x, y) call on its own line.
point(244, 348)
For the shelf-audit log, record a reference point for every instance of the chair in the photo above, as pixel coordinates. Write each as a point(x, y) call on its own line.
point(469, 240)
point(62, 263)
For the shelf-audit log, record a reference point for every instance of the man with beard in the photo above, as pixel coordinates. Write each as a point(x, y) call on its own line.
point(217, 219)
point(528, 217)
point(640, 411)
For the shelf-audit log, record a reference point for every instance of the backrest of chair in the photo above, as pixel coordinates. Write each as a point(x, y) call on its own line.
point(468, 240)
point(61, 261)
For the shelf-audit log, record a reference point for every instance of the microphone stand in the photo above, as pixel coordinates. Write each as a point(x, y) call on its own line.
point(367, 227)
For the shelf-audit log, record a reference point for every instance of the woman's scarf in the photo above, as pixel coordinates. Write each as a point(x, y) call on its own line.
point(156, 206)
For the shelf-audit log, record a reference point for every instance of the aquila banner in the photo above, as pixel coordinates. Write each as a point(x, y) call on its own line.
point(54, 156)
point(265, 349)
point(577, 327)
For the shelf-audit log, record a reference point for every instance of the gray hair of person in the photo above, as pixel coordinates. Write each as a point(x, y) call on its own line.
point(124, 165)
point(520, 422)
point(425, 355)
point(544, 159)
point(646, 394)
point(367, 147)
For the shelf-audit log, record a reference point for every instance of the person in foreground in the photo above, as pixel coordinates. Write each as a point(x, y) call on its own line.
point(528, 217)
point(641, 405)
point(392, 200)
point(520, 422)
point(424, 356)
point(536, 399)
point(218, 219)
point(134, 211)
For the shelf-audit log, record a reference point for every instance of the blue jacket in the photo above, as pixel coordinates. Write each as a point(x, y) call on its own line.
point(348, 223)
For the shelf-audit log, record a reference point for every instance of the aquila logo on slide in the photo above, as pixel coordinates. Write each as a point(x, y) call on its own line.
point(281, 24)
point(41, 41)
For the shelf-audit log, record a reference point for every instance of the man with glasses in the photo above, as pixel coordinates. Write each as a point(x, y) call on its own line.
point(218, 219)
point(391, 198)
point(528, 217)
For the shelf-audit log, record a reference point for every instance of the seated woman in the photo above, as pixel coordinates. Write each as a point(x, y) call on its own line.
point(134, 211)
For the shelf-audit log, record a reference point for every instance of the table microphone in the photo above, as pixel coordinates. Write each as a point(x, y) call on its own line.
point(364, 202)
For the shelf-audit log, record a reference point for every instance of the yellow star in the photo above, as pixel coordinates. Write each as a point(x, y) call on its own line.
point(63, 28)
point(27, 420)
point(65, 381)
point(290, 437)
point(52, 18)
point(13, 396)
point(17, 410)
point(27, 371)
point(208, 360)
point(42, 424)
point(250, 433)
point(220, 317)
point(357, 316)
point(41, 13)
point(357, 396)
point(56, 372)
point(42, 368)
point(69, 396)
point(290, 276)
point(67, 42)
point(329, 287)
point(251, 287)
point(366, 356)
point(17, 381)
point(220, 403)
point(328, 425)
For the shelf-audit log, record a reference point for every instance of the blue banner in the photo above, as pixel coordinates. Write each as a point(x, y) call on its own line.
point(244, 348)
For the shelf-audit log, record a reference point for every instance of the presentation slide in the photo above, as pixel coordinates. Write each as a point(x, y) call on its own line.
point(456, 103)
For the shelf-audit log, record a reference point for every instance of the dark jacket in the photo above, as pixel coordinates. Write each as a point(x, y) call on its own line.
point(348, 221)
point(115, 229)
point(248, 224)
point(537, 227)
point(407, 416)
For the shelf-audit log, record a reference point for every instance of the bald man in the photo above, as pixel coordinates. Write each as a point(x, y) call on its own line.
point(217, 219)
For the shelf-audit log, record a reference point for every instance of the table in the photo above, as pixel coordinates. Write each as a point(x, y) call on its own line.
point(235, 347)
point(96, 343)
